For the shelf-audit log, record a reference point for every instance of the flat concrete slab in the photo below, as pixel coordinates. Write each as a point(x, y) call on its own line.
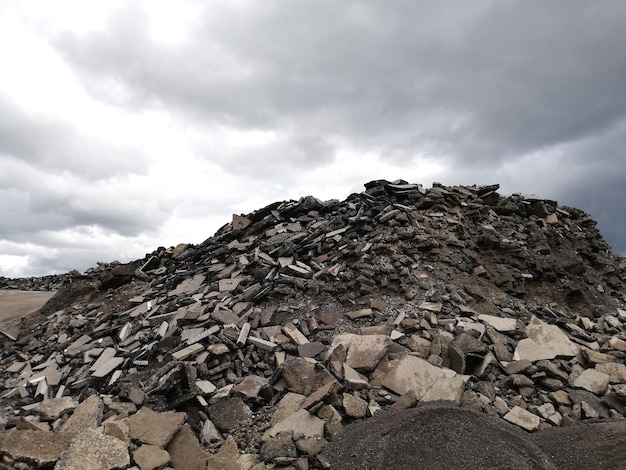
point(17, 303)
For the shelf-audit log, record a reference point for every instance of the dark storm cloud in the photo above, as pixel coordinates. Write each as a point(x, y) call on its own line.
point(486, 79)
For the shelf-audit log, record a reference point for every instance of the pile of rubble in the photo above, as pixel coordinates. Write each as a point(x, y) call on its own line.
point(255, 348)
point(44, 283)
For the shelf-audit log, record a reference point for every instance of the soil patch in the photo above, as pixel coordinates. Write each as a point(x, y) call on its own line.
point(446, 436)
point(17, 303)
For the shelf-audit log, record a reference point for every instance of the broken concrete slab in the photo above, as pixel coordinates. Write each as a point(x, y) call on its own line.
point(544, 341)
point(353, 380)
point(288, 405)
point(311, 446)
point(354, 405)
point(108, 367)
point(185, 450)
point(189, 286)
point(229, 414)
point(295, 334)
point(103, 358)
point(431, 306)
point(280, 449)
point(299, 424)
point(499, 323)
point(92, 450)
point(149, 457)
point(465, 353)
point(41, 447)
point(188, 352)
point(118, 429)
point(205, 386)
point(227, 458)
point(446, 389)
point(320, 394)
point(304, 376)
point(151, 427)
point(87, 414)
point(54, 408)
point(311, 349)
point(413, 373)
point(363, 351)
point(616, 372)
point(592, 381)
point(262, 343)
point(522, 418)
point(250, 386)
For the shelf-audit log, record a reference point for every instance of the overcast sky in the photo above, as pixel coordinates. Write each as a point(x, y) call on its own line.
point(128, 125)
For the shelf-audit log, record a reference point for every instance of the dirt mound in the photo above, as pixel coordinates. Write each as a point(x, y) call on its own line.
point(448, 437)
point(439, 436)
point(259, 346)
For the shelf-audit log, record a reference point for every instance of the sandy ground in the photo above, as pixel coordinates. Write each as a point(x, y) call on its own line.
point(17, 303)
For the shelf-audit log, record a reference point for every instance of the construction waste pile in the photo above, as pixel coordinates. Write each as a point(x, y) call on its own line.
point(260, 346)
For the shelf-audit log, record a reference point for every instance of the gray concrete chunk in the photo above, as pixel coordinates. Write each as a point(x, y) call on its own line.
point(593, 381)
point(363, 351)
point(154, 428)
point(185, 451)
point(413, 373)
point(91, 450)
point(41, 447)
point(522, 418)
point(544, 341)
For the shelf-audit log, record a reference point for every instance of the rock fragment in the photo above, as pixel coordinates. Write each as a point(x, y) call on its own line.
point(593, 381)
point(413, 373)
point(185, 450)
point(149, 457)
point(227, 457)
point(91, 450)
point(522, 418)
point(151, 427)
point(229, 414)
point(363, 351)
point(41, 447)
point(544, 341)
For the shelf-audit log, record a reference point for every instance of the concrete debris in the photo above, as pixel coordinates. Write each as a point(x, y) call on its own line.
point(544, 341)
point(593, 381)
point(88, 414)
point(363, 352)
point(149, 457)
point(185, 450)
point(300, 424)
point(54, 408)
point(254, 348)
point(414, 374)
point(499, 323)
point(227, 458)
point(151, 427)
point(40, 447)
point(91, 450)
point(229, 414)
point(522, 418)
